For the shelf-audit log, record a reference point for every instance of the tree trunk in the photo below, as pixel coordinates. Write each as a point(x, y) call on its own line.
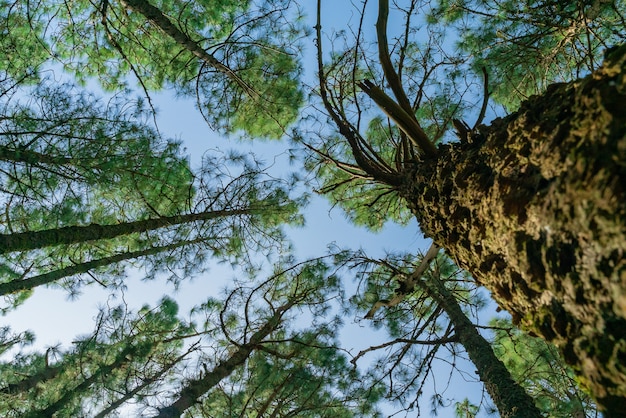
point(26, 156)
point(509, 397)
point(19, 285)
point(195, 389)
point(31, 240)
point(160, 20)
point(534, 207)
point(122, 358)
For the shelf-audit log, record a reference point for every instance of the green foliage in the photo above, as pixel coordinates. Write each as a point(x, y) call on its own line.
point(309, 378)
point(418, 332)
point(238, 57)
point(465, 409)
point(527, 45)
point(22, 49)
point(364, 202)
point(69, 159)
point(63, 150)
point(249, 351)
point(125, 350)
point(539, 368)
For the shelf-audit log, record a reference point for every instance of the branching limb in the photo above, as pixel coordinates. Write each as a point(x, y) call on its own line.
point(155, 16)
point(404, 120)
point(409, 282)
point(439, 341)
point(483, 109)
point(385, 61)
point(346, 129)
point(417, 134)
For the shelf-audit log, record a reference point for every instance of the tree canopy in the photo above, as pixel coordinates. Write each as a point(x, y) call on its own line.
point(498, 126)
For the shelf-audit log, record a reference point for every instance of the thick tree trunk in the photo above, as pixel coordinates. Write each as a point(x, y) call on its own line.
point(534, 206)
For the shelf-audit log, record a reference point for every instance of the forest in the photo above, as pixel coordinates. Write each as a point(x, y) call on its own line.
point(494, 131)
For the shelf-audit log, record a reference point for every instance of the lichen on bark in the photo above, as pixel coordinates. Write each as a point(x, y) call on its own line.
point(534, 206)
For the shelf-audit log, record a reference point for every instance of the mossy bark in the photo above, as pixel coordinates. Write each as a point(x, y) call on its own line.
point(534, 206)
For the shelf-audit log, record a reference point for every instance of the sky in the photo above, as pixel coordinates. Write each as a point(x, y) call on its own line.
point(55, 319)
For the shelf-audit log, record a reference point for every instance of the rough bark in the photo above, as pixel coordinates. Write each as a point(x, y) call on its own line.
point(534, 207)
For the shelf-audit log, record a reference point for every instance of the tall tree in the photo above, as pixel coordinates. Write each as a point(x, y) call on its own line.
point(239, 58)
point(258, 324)
point(231, 218)
point(89, 187)
point(429, 306)
point(531, 205)
point(63, 149)
point(536, 365)
point(145, 357)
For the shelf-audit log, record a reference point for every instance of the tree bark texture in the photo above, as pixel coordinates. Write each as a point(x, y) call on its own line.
point(534, 206)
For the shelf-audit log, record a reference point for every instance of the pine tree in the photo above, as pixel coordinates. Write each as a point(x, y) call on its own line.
point(246, 352)
point(238, 58)
point(531, 205)
point(537, 366)
point(89, 188)
point(426, 305)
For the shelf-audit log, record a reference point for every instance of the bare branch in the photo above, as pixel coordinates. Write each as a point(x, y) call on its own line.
point(405, 121)
point(409, 282)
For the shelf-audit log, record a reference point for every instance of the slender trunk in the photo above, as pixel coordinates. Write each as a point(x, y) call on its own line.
point(144, 384)
point(195, 389)
point(31, 240)
point(48, 373)
point(534, 206)
point(18, 285)
point(508, 396)
point(122, 358)
point(156, 16)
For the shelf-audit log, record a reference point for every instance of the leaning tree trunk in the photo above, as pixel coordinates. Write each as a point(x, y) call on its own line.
point(534, 206)
point(509, 397)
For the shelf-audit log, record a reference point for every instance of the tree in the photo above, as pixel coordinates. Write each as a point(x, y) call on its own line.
point(427, 316)
point(536, 365)
point(238, 58)
point(228, 221)
point(141, 358)
point(126, 349)
point(64, 148)
point(531, 205)
point(89, 188)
